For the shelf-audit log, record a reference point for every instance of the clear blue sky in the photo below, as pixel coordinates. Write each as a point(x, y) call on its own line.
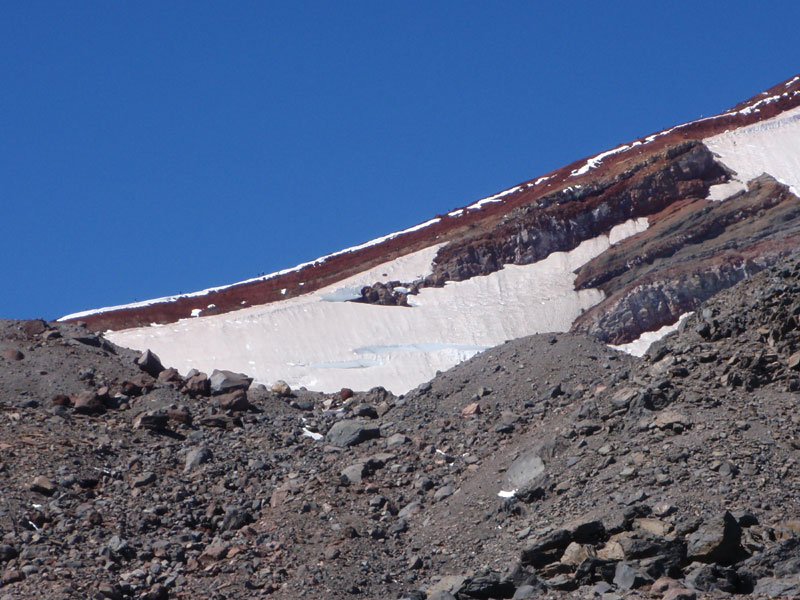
point(151, 148)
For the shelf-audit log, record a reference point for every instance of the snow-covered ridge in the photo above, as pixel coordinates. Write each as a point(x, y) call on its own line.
point(755, 107)
point(296, 268)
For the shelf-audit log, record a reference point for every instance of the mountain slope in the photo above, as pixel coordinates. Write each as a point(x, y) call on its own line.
point(644, 224)
point(549, 465)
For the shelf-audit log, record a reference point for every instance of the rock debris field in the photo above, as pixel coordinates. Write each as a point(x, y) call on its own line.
point(548, 467)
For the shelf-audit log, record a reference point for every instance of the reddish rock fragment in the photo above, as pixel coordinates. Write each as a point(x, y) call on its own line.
point(34, 327)
point(236, 400)
point(61, 400)
point(180, 414)
point(470, 410)
point(170, 376)
point(13, 354)
point(196, 385)
point(87, 403)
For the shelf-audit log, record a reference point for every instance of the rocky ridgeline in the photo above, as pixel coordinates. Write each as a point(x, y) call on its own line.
point(672, 476)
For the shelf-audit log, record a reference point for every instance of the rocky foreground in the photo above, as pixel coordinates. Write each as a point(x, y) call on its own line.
point(550, 466)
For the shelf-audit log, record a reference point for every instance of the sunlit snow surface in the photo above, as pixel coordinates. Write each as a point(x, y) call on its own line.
point(639, 346)
point(771, 146)
point(325, 345)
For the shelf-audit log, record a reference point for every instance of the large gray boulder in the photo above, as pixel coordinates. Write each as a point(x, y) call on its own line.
point(223, 382)
point(717, 541)
point(349, 433)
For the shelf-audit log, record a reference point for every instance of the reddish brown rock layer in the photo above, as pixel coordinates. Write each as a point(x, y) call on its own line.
point(454, 228)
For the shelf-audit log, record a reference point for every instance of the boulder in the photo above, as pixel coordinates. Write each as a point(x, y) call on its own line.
point(155, 420)
point(524, 470)
point(197, 457)
point(626, 577)
point(235, 401)
point(350, 433)
point(87, 403)
point(196, 385)
point(717, 541)
point(222, 382)
point(546, 550)
point(150, 363)
point(281, 389)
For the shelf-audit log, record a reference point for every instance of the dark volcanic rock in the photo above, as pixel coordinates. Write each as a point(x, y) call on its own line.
point(150, 363)
point(349, 433)
point(718, 541)
point(222, 382)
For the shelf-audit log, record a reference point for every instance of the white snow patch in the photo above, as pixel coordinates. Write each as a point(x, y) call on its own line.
point(771, 146)
point(329, 345)
point(723, 191)
point(627, 229)
point(593, 162)
point(507, 494)
point(639, 346)
point(495, 198)
point(312, 434)
point(342, 294)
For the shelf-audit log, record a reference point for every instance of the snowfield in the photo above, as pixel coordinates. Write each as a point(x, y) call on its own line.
point(771, 146)
point(324, 344)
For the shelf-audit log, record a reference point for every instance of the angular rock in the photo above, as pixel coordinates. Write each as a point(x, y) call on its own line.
point(626, 577)
point(524, 470)
point(576, 553)
point(155, 420)
point(443, 492)
point(588, 532)
point(718, 541)
point(366, 411)
point(197, 457)
point(397, 439)
point(235, 401)
point(470, 410)
point(281, 389)
point(170, 375)
point(87, 403)
point(7, 552)
point(144, 479)
point(487, 585)
point(222, 382)
point(197, 385)
point(350, 433)
point(777, 587)
point(150, 363)
point(354, 473)
point(43, 485)
point(546, 550)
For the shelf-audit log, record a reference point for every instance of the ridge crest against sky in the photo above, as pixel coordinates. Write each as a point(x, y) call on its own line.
point(151, 149)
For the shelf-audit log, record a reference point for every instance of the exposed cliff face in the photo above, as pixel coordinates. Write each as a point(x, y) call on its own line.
point(692, 251)
point(510, 263)
point(560, 221)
